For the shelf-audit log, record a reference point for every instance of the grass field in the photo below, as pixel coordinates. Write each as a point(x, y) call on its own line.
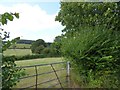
point(17, 52)
point(21, 46)
point(31, 71)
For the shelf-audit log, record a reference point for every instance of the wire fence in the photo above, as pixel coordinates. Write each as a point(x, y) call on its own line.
point(54, 70)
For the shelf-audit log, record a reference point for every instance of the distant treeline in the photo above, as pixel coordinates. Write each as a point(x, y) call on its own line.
point(24, 44)
point(23, 41)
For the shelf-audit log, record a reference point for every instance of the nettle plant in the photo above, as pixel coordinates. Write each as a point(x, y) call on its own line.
point(10, 73)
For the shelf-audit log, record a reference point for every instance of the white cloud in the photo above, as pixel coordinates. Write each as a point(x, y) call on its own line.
point(33, 20)
point(29, 1)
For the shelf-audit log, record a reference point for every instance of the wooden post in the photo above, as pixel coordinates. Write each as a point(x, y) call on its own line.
point(68, 74)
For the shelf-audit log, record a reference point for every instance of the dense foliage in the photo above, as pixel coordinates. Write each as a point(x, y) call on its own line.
point(56, 47)
point(75, 15)
point(38, 46)
point(91, 41)
point(27, 57)
point(48, 50)
point(95, 56)
point(10, 74)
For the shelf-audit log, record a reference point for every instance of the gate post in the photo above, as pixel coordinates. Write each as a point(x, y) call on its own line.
point(36, 78)
point(68, 74)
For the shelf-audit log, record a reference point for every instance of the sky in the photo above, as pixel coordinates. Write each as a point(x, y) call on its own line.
point(37, 19)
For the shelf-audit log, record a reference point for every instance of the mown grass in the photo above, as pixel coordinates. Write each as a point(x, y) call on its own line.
point(41, 69)
point(17, 52)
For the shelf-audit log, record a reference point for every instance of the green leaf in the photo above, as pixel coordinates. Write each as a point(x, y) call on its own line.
point(4, 21)
point(17, 15)
point(10, 17)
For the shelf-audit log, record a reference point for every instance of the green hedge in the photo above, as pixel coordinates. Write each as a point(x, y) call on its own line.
point(34, 56)
point(26, 57)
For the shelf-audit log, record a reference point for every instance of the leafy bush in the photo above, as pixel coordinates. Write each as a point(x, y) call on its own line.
point(46, 52)
point(10, 74)
point(55, 49)
point(39, 49)
point(94, 54)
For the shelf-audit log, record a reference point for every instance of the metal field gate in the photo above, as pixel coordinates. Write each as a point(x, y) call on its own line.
point(57, 74)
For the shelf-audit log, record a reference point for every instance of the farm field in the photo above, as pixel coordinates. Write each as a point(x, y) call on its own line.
point(24, 46)
point(41, 69)
point(17, 52)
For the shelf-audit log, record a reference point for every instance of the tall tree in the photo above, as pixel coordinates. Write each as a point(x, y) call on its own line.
point(37, 46)
point(74, 15)
point(91, 41)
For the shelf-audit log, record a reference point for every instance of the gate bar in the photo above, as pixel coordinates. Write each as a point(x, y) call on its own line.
point(57, 76)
